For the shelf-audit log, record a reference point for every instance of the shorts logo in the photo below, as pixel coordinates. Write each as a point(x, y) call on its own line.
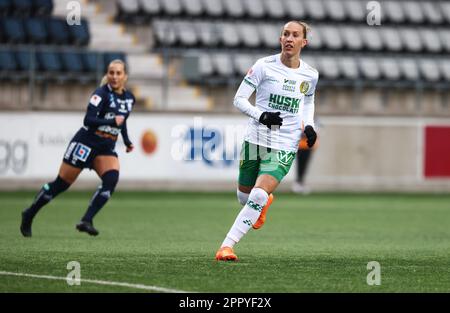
point(69, 150)
point(81, 152)
point(285, 157)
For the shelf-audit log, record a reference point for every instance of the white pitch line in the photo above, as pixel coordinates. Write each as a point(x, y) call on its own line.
point(98, 282)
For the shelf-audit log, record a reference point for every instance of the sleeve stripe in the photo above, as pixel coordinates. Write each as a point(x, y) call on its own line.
point(249, 83)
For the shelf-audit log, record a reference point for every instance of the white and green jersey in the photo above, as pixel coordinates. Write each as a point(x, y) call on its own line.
point(278, 89)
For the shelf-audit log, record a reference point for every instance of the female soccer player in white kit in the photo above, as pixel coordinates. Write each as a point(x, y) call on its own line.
point(285, 87)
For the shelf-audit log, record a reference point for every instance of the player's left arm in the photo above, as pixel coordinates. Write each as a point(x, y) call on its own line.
point(126, 139)
point(308, 114)
point(124, 131)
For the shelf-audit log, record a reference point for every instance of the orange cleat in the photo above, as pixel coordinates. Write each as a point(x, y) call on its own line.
point(226, 254)
point(262, 217)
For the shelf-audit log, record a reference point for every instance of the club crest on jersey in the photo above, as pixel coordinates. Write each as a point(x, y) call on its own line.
point(95, 100)
point(81, 152)
point(304, 86)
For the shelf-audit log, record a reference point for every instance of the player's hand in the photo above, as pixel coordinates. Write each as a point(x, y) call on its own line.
point(271, 119)
point(130, 148)
point(311, 135)
point(119, 119)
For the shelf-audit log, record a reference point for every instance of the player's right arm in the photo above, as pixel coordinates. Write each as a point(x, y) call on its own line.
point(95, 105)
point(250, 83)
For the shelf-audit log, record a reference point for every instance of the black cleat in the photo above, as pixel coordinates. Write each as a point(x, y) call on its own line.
point(25, 225)
point(87, 227)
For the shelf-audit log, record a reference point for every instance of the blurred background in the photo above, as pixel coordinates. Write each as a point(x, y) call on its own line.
point(382, 102)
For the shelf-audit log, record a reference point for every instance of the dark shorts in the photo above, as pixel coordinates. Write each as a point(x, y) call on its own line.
point(85, 147)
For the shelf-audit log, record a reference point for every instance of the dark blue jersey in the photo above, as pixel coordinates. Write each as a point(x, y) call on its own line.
point(103, 107)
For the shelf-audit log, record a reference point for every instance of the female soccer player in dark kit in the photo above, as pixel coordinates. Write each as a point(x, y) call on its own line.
point(93, 147)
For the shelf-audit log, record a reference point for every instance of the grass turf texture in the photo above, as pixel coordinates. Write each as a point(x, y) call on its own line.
point(317, 243)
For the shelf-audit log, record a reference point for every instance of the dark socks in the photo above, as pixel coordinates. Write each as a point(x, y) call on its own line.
point(46, 194)
point(102, 195)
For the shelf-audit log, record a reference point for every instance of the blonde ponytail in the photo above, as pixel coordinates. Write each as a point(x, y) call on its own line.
point(104, 81)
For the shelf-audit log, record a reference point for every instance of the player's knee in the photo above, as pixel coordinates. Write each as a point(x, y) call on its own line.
point(242, 197)
point(110, 180)
point(259, 196)
point(57, 186)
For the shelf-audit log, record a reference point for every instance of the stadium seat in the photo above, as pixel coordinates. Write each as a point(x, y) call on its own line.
point(127, 10)
point(445, 7)
point(79, 34)
point(254, 8)
point(335, 10)
point(58, 31)
point(110, 56)
point(7, 61)
point(411, 39)
point(171, 7)
point(14, 31)
point(391, 38)
point(315, 9)
point(242, 63)
point(429, 70)
point(331, 37)
point(394, 12)
point(431, 40)
point(5, 8)
point(295, 9)
point(444, 65)
point(312, 61)
point(355, 10)
point(369, 68)
point(92, 62)
point(444, 35)
point(274, 9)
point(348, 68)
point(409, 69)
point(36, 30)
point(315, 39)
point(390, 68)
point(22, 8)
point(269, 35)
point(207, 34)
point(413, 12)
point(193, 8)
point(329, 67)
point(71, 62)
point(186, 33)
point(24, 60)
point(222, 64)
point(42, 7)
point(213, 8)
point(164, 32)
point(151, 7)
point(234, 8)
point(206, 68)
point(228, 34)
point(249, 35)
point(48, 61)
point(351, 38)
point(432, 12)
point(371, 38)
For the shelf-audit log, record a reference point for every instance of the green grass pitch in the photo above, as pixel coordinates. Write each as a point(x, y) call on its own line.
point(316, 243)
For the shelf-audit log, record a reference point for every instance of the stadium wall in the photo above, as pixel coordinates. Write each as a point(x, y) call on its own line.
point(200, 152)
